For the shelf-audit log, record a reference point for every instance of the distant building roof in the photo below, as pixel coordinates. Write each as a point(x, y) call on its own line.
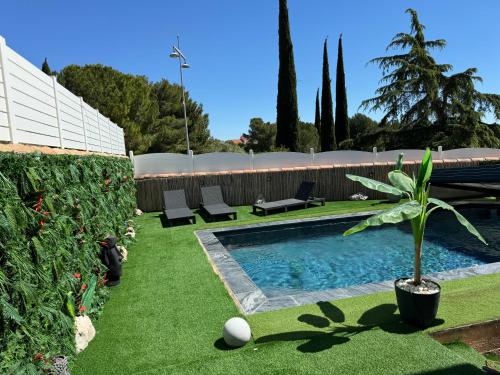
point(243, 140)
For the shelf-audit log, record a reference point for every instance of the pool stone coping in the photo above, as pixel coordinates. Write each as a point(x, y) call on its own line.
point(250, 299)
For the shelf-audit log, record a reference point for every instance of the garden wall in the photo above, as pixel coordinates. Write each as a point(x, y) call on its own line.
point(53, 210)
point(243, 187)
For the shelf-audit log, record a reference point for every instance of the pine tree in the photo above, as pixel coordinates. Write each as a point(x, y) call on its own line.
point(417, 91)
point(317, 114)
point(287, 111)
point(46, 68)
point(327, 123)
point(342, 131)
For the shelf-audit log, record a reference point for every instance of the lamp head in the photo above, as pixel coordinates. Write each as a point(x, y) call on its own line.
point(185, 66)
point(174, 54)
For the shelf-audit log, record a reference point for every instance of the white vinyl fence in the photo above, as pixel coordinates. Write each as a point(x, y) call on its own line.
point(165, 163)
point(35, 109)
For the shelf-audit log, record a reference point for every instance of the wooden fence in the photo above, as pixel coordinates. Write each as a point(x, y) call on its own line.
point(243, 188)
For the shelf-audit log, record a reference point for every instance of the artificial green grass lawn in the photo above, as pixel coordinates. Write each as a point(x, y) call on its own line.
point(167, 317)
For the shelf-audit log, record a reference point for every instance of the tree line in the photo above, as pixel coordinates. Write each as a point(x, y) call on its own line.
point(423, 102)
point(332, 132)
point(290, 133)
point(150, 113)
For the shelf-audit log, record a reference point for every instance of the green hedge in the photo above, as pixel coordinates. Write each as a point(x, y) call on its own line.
point(53, 211)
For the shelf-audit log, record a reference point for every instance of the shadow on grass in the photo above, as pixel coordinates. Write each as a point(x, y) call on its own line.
point(281, 210)
point(335, 332)
point(213, 219)
point(176, 223)
point(385, 201)
point(465, 369)
point(221, 345)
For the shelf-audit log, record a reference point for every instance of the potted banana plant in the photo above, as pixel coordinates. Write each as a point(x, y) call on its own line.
point(417, 297)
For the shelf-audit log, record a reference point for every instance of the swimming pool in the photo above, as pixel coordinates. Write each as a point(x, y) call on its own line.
point(301, 259)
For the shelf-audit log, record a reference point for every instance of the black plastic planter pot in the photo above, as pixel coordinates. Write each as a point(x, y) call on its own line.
point(417, 309)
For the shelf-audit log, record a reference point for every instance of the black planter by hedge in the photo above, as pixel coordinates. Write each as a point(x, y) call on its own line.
point(417, 309)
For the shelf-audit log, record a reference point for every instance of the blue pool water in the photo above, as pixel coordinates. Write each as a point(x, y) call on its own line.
point(315, 256)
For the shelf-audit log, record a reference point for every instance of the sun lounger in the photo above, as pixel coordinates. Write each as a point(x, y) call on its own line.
point(175, 206)
point(213, 202)
point(303, 198)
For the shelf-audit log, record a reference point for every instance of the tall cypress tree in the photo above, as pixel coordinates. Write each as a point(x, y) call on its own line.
point(287, 112)
point(342, 131)
point(46, 68)
point(327, 122)
point(317, 114)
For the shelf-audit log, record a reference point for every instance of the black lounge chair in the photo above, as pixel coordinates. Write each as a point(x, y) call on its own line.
point(213, 203)
point(175, 206)
point(303, 199)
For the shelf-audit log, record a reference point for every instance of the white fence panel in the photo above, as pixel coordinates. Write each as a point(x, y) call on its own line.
point(112, 133)
point(70, 118)
point(34, 104)
point(35, 109)
point(270, 160)
point(409, 155)
point(469, 153)
point(107, 126)
point(162, 163)
point(116, 135)
point(342, 157)
point(222, 161)
point(92, 128)
point(121, 141)
point(4, 120)
point(104, 129)
point(167, 163)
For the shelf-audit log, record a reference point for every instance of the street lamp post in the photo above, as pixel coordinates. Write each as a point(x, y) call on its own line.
point(177, 54)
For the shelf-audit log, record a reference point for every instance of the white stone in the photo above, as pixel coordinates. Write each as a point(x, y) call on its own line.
point(84, 332)
point(130, 232)
point(123, 251)
point(358, 197)
point(138, 212)
point(237, 332)
point(425, 287)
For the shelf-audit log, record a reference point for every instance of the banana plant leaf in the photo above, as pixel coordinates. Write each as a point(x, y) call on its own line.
point(405, 211)
point(375, 185)
point(462, 220)
point(425, 170)
point(401, 181)
point(399, 163)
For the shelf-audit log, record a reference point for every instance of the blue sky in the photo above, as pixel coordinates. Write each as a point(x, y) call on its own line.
point(232, 45)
